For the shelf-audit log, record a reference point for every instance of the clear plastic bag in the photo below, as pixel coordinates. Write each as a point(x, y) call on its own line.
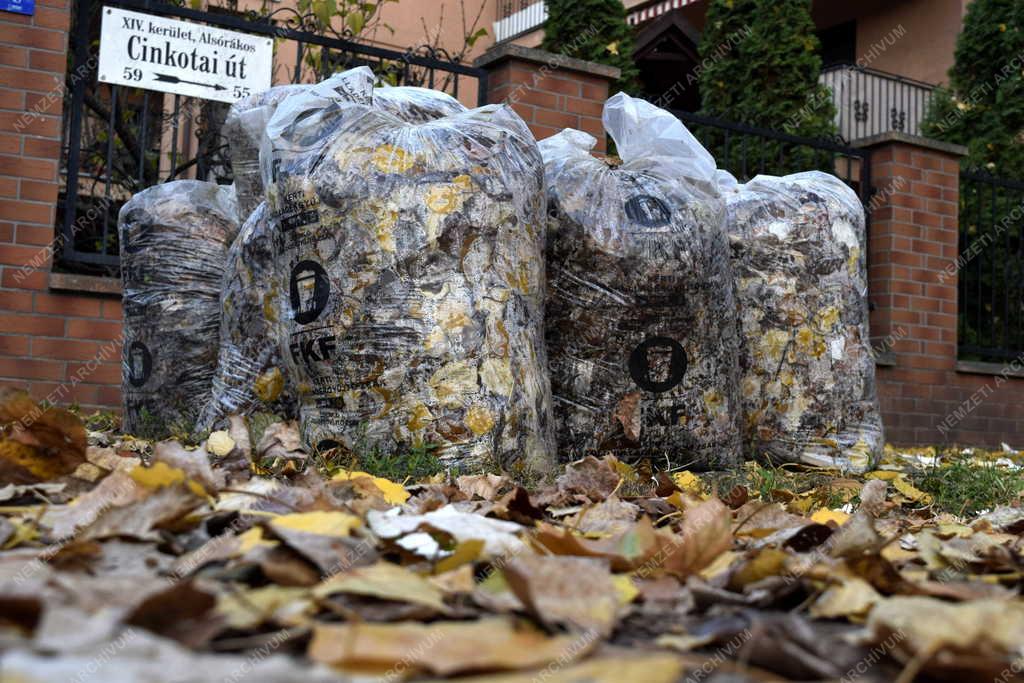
point(808, 385)
point(415, 105)
point(247, 120)
point(413, 264)
point(174, 244)
point(641, 317)
point(249, 374)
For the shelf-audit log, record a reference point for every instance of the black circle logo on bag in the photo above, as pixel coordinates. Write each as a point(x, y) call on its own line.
point(310, 288)
point(140, 364)
point(647, 211)
point(661, 354)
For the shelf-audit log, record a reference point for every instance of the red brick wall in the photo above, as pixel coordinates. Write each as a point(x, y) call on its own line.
point(61, 346)
point(548, 96)
point(913, 285)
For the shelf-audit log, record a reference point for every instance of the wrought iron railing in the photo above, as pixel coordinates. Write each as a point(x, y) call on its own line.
point(990, 268)
point(119, 140)
point(516, 17)
point(869, 102)
point(746, 151)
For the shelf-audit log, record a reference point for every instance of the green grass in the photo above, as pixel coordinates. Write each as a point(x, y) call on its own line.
point(965, 487)
point(420, 462)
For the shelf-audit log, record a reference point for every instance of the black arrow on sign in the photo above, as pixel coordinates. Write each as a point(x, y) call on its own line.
point(174, 79)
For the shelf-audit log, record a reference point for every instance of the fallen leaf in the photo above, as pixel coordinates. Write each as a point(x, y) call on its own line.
point(648, 667)
point(824, 516)
point(386, 581)
point(565, 591)
point(983, 636)
point(626, 551)
point(443, 647)
point(688, 482)
point(499, 537)
point(393, 493)
point(484, 486)
point(851, 597)
point(37, 444)
point(705, 533)
point(219, 443)
point(910, 492)
point(247, 609)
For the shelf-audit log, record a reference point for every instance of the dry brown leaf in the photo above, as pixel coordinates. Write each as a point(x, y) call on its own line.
point(565, 591)
point(626, 552)
point(591, 478)
point(37, 444)
point(645, 667)
point(609, 517)
point(705, 533)
point(385, 581)
point(484, 486)
point(443, 648)
point(983, 637)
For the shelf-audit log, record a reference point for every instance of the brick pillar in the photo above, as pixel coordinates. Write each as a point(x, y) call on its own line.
point(55, 340)
point(550, 91)
point(912, 285)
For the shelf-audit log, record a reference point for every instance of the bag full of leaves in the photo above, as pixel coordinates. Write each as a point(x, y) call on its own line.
point(249, 373)
point(808, 385)
point(412, 261)
point(640, 311)
point(174, 244)
point(415, 105)
point(247, 120)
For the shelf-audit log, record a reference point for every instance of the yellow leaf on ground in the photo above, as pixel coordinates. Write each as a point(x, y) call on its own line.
point(386, 581)
point(910, 492)
point(657, 667)
point(248, 609)
point(824, 516)
point(253, 538)
point(464, 553)
point(442, 648)
point(854, 597)
point(323, 522)
point(688, 482)
point(157, 476)
point(625, 589)
point(393, 493)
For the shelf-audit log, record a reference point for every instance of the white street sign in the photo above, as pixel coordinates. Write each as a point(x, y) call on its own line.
point(157, 53)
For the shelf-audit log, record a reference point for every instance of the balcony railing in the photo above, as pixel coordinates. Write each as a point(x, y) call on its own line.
point(518, 17)
point(869, 102)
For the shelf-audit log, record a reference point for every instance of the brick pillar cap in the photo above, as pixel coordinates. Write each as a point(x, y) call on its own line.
point(505, 51)
point(907, 139)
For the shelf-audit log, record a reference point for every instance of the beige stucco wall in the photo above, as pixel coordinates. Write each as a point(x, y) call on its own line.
point(925, 51)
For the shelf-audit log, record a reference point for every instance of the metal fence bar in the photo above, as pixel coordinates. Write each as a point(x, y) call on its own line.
point(990, 290)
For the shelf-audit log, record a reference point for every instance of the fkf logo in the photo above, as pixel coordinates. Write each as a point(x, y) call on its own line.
point(313, 349)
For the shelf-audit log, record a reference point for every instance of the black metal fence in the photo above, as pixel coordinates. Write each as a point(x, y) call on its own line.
point(746, 151)
point(118, 140)
point(990, 267)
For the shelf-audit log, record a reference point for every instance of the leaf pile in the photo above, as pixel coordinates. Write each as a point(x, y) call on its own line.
point(154, 562)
